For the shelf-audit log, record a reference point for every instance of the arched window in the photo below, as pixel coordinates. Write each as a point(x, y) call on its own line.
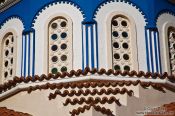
point(121, 43)
point(8, 56)
point(60, 45)
point(171, 46)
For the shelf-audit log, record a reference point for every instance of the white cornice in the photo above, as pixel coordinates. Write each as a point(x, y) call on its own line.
point(23, 86)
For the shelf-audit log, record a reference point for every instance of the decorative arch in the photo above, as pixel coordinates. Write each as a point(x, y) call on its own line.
point(10, 18)
point(124, 1)
point(165, 11)
point(15, 26)
point(54, 3)
point(164, 22)
point(41, 26)
point(103, 17)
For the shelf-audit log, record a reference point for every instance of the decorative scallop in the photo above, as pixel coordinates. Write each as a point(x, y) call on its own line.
point(56, 3)
point(121, 1)
point(164, 12)
point(11, 18)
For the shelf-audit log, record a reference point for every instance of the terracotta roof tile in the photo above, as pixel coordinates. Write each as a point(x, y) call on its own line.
point(79, 110)
point(165, 110)
point(17, 80)
point(93, 92)
point(7, 112)
point(92, 100)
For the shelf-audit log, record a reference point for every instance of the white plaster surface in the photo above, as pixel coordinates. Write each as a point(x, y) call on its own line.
point(15, 26)
point(38, 104)
point(133, 14)
point(165, 21)
point(41, 27)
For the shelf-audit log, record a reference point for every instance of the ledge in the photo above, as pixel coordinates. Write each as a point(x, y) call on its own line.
point(27, 86)
point(157, 81)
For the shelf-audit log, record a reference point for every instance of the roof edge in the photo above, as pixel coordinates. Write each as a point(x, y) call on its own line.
point(26, 86)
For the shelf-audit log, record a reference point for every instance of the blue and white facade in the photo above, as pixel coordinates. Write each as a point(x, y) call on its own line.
point(39, 37)
point(91, 27)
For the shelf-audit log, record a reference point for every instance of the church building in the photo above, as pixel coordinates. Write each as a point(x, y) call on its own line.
point(87, 57)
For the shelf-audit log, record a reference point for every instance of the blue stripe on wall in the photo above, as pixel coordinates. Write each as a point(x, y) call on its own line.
point(160, 65)
point(22, 60)
point(82, 47)
point(151, 49)
point(97, 46)
point(33, 63)
point(147, 50)
point(25, 42)
point(92, 46)
point(29, 55)
point(87, 50)
point(156, 54)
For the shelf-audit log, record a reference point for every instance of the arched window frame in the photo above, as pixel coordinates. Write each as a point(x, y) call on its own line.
point(134, 50)
point(69, 42)
point(7, 33)
point(134, 14)
point(171, 47)
point(165, 21)
point(40, 25)
point(166, 56)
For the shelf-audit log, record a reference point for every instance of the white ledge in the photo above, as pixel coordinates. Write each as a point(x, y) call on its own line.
point(22, 86)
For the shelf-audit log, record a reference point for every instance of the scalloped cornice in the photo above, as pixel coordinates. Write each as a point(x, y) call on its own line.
point(120, 1)
point(9, 19)
point(56, 3)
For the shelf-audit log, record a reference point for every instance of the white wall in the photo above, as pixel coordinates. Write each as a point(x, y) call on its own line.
point(163, 22)
point(106, 11)
point(41, 26)
point(15, 26)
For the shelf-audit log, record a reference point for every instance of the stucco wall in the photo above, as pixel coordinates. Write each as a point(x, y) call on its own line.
point(38, 104)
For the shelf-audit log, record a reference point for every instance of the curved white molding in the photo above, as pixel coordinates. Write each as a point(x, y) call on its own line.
point(23, 86)
point(15, 26)
point(134, 15)
point(41, 38)
point(165, 21)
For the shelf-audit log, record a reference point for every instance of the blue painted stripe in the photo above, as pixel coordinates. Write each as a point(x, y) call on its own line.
point(151, 51)
point(29, 55)
point(22, 57)
point(156, 54)
point(147, 50)
point(97, 45)
point(92, 46)
point(25, 53)
point(82, 47)
point(33, 71)
point(87, 45)
point(160, 65)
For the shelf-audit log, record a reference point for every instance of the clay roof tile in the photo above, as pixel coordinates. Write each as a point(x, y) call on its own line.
point(7, 112)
